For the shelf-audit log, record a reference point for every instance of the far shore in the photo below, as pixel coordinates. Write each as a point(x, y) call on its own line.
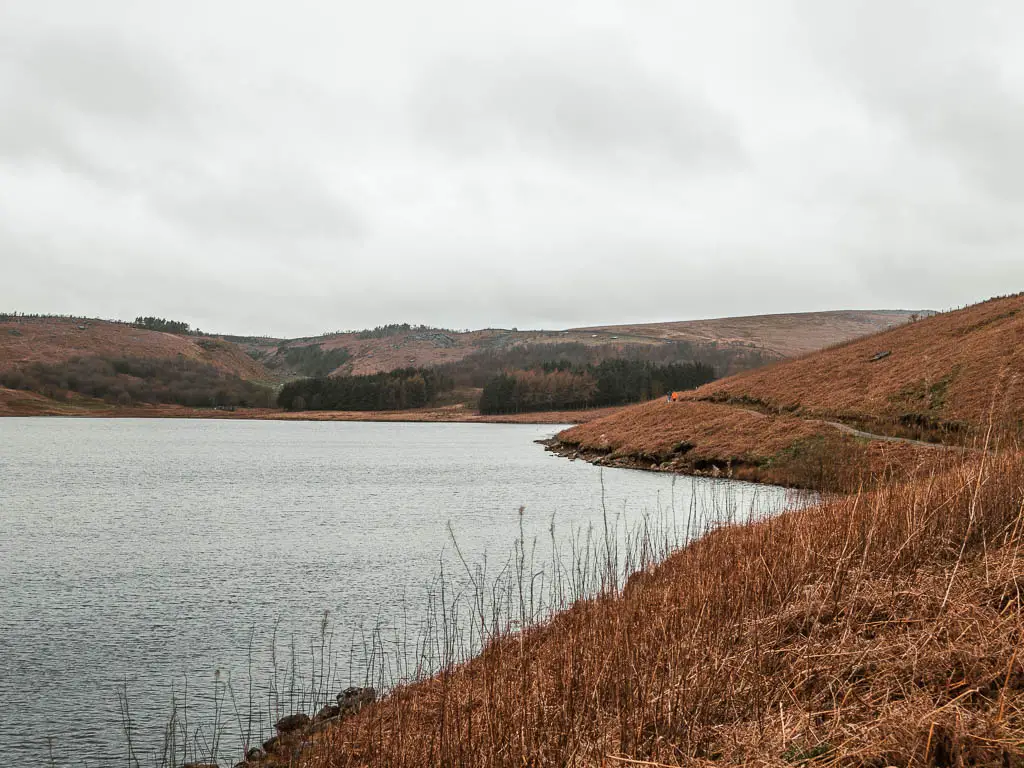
point(15, 403)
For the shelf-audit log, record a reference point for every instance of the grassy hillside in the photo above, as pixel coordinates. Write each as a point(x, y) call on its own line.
point(90, 366)
point(941, 379)
point(774, 336)
point(101, 360)
point(785, 335)
point(51, 340)
point(950, 371)
point(706, 438)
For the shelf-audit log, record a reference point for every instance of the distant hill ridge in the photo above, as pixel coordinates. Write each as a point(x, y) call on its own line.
point(776, 336)
point(786, 334)
point(31, 339)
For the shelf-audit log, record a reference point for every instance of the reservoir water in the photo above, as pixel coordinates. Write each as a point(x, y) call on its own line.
point(151, 557)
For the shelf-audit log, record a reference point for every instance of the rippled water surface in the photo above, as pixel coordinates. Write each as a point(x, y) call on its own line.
point(141, 553)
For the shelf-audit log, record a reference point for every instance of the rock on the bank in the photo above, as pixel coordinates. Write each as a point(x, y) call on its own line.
point(292, 722)
point(351, 700)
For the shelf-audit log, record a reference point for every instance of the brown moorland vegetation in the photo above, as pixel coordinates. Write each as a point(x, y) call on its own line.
point(949, 372)
point(41, 347)
point(50, 340)
point(21, 403)
point(775, 335)
point(659, 431)
point(872, 629)
point(787, 335)
point(448, 413)
point(14, 402)
point(704, 438)
point(942, 379)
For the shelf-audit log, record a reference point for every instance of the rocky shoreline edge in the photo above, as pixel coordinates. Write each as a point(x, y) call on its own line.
point(677, 463)
point(295, 731)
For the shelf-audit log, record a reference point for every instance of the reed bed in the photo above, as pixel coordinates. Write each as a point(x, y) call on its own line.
point(876, 628)
point(467, 607)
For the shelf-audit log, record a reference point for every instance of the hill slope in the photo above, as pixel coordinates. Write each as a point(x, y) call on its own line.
point(786, 335)
point(49, 340)
point(54, 340)
point(950, 369)
point(727, 345)
point(939, 379)
point(775, 336)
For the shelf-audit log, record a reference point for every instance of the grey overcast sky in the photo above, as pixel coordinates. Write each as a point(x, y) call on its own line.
point(290, 168)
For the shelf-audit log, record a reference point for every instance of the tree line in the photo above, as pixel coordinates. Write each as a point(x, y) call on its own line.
point(128, 380)
point(563, 385)
point(148, 323)
point(393, 329)
point(163, 324)
point(310, 360)
point(479, 368)
point(7, 317)
point(389, 391)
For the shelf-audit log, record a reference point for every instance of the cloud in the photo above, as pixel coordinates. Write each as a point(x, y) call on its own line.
point(974, 118)
point(104, 78)
point(943, 74)
point(67, 99)
point(328, 165)
point(583, 106)
point(281, 204)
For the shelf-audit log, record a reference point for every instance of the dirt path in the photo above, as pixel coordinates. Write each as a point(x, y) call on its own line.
point(847, 429)
point(885, 438)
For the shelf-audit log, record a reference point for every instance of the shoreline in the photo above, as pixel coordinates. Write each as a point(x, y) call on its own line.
point(719, 440)
point(719, 470)
point(30, 405)
point(833, 600)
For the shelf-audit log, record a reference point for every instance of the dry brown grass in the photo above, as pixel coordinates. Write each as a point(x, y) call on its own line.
point(875, 629)
point(960, 367)
point(945, 378)
point(711, 431)
point(54, 340)
point(787, 335)
point(459, 413)
point(14, 402)
point(783, 335)
point(697, 437)
point(21, 403)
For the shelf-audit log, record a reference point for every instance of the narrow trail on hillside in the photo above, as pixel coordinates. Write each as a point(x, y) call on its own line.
point(846, 428)
point(885, 438)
